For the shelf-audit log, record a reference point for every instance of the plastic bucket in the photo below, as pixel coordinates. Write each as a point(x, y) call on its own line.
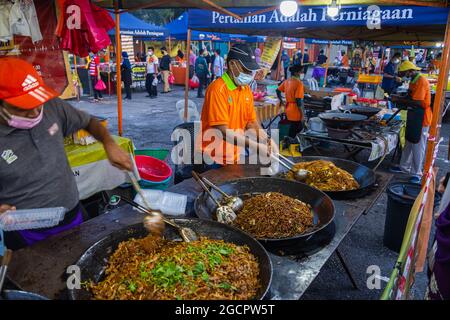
point(401, 197)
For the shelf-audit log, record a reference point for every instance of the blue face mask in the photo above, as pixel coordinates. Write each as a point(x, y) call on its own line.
point(243, 79)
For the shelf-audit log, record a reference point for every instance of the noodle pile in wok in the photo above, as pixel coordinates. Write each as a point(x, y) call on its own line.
point(325, 176)
point(273, 215)
point(157, 269)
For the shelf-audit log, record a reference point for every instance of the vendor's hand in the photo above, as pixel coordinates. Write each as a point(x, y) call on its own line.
point(6, 207)
point(398, 79)
point(272, 148)
point(118, 158)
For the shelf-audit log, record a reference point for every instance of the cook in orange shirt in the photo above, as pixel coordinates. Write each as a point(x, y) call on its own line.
point(229, 110)
point(294, 92)
point(344, 60)
point(419, 96)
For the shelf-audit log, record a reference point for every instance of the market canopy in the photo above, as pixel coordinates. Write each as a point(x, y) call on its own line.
point(385, 23)
point(178, 30)
point(132, 26)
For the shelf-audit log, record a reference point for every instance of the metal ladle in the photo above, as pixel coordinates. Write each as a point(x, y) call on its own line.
point(233, 202)
point(299, 175)
point(187, 234)
point(224, 214)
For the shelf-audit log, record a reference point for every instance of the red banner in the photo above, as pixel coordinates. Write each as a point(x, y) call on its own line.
point(45, 55)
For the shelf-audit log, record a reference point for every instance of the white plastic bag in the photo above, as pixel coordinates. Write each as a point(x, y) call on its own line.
point(155, 82)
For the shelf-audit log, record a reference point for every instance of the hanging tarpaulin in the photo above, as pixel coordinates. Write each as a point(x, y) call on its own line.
point(334, 42)
point(132, 26)
point(271, 49)
point(41, 47)
point(289, 45)
point(316, 17)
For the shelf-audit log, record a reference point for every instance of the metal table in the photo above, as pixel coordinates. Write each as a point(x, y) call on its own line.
point(42, 268)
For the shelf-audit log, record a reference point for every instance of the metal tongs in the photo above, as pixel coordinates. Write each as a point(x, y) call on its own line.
point(224, 213)
point(299, 175)
point(154, 221)
point(4, 267)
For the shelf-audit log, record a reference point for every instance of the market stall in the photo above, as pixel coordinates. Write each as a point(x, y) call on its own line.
point(292, 275)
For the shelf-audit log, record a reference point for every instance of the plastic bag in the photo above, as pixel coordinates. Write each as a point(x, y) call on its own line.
point(171, 79)
point(155, 82)
point(100, 85)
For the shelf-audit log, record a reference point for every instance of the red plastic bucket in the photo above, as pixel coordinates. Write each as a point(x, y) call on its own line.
point(152, 169)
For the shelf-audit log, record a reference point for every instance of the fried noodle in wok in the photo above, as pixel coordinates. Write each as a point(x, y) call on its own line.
point(157, 269)
point(273, 216)
point(325, 176)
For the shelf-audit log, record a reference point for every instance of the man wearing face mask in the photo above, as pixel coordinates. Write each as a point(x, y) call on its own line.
point(418, 121)
point(151, 81)
point(294, 91)
point(229, 106)
point(390, 78)
point(34, 170)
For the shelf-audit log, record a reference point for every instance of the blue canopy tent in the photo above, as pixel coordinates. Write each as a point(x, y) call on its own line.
point(178, 30)
point(389, 23)
point(132, 26)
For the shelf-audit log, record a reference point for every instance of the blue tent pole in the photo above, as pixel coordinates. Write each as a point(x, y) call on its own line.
point(186, 79)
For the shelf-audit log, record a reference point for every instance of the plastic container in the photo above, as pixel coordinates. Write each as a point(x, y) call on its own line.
point(401, 197)
point(153, 169)
point(168, 202)
point(31, 218)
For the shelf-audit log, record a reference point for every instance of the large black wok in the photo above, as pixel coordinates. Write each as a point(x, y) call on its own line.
point(322, 206)
point(362, 174)
point(338, 120)
point(94, 261)
point(365, 111)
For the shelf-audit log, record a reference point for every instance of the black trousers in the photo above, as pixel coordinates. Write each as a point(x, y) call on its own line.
point(202, 84)
point(294, 128)
point(151, 89)
point(97, 94)
point(127, 86)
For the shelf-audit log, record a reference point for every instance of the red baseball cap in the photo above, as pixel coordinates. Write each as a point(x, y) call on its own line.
point(21, 85)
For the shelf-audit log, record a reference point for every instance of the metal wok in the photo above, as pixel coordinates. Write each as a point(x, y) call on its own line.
point(362, 174)
point(94, 261)
point(308, 242)
point(338, 120)
point(365, 111)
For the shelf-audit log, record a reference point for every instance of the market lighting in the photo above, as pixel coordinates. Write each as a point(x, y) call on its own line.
point(288, 8)
point(439, 45)
point(332, 9)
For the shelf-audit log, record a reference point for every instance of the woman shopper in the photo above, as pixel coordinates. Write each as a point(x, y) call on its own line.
point(202, 72)
point(94, 73)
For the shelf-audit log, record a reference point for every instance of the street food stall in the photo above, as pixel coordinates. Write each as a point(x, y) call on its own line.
point(286, 265)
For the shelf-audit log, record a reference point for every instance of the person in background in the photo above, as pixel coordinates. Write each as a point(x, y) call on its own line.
point(344, 60)
point(152, 73)
point(180, 57)
point(218, 65)
point(390, 78)
point(294, 91)
point(126, 74)
point(439, 257)
point(209, 61)
point(419, 97)
point(305, 60)
point(192, 58)
point(321, 58)
point(436, 63)
point(297, 60)
point(258, 55)
point(286, 60)
point(229, 109)
point(202, 71)
point(165, 69)
point(419, 57)
point(34, 170)
point(370, 62)
point(356, 61)
point(94, 73)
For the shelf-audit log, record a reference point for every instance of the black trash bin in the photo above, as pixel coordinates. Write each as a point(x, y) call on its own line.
point(401, 197)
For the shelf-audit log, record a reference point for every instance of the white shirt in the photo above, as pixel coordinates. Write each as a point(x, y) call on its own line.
point(18, 22)
point(218, 66)
point(29, 11)
point(152, 63)
point(5, 30)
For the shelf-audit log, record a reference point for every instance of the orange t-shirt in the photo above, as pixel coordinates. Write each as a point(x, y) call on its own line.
point(225, 104)
point(420, 90)
point(345, 60)
point(293, 88)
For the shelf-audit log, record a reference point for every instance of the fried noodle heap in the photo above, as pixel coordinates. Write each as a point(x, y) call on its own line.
point(325, 176)
point(204, 269)
point(273, 215)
